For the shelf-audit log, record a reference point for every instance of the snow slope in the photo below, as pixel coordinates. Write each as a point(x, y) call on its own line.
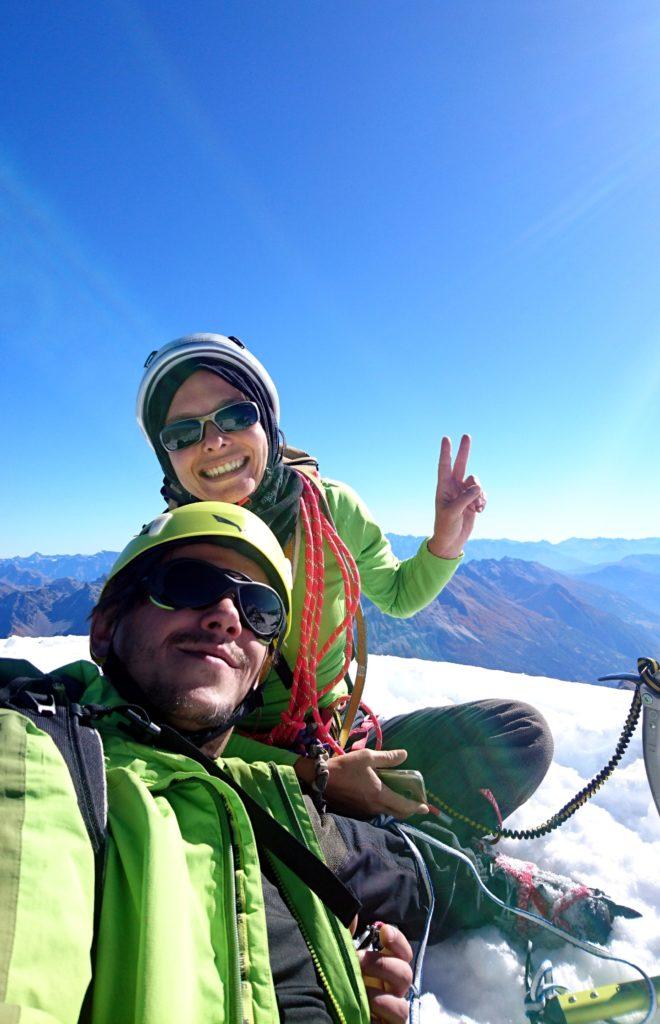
point(611, 843)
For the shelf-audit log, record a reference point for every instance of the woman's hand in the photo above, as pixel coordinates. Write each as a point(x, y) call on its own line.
point(458, 499)
point(355, 788)
point(387, 976)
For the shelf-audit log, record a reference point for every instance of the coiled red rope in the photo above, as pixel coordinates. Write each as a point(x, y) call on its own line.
point(304, 698)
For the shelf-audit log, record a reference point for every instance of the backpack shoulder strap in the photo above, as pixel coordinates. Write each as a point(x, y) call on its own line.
point(270, 834)
point(52, 703)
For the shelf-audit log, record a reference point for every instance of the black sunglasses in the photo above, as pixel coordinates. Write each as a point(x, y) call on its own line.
point(183, 433)
point(191, 583)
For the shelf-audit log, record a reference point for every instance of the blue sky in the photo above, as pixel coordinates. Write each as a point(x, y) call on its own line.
point(424, 217)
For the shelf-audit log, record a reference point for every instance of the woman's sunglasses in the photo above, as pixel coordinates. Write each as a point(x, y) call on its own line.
point(190, 583)
point(183, 433)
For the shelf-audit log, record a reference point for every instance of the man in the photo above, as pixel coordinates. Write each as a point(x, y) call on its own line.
point(199, 914)
point(206, 907)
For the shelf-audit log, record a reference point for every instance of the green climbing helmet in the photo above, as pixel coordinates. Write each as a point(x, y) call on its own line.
point(231, 526)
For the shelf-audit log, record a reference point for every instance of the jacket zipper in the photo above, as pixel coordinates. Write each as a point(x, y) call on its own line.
point(332, 920)
point(303, 931)
point(238, 954)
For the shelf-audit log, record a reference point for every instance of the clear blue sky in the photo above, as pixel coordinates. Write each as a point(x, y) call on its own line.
point(425, 217)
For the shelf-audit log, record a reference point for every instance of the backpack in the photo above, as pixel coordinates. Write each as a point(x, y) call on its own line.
point(52, 703)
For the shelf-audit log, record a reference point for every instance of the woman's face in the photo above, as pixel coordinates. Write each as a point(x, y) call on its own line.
point(222, 466)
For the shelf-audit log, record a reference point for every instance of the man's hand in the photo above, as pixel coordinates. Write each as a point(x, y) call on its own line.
point(458, 499)
point(387, 976)
point(354, 788)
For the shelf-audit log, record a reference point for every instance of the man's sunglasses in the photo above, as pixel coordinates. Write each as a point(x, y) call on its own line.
point(183, 433)
point(190, 583)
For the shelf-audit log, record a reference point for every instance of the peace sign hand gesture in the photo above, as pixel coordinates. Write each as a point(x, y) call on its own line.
point(458, 499)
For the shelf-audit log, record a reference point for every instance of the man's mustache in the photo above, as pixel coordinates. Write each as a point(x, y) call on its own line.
point(202, 638)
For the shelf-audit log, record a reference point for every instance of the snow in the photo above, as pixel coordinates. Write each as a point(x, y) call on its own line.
point(46, 652)
point(611, 843)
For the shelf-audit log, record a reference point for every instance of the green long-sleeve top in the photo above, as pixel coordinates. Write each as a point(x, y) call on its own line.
point(181, 928)
point(399, 588)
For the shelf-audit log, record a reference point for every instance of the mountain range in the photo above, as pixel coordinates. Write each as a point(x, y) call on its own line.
point(520, 614)
point(37, 569)
point(54, 608)
point(523, 617)
point(573, 555)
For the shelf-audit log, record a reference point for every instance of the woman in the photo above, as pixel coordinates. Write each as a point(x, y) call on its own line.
point(211, 412)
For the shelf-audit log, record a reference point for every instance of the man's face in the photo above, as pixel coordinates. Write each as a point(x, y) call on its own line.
point(195, 666)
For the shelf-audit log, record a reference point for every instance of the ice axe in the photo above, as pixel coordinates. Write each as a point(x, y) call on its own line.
point(647, 684)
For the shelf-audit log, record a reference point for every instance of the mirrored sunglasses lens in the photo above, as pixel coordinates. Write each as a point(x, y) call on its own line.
point(262, 609)
point(181, 435)
point(236, 417)
point(191, 584)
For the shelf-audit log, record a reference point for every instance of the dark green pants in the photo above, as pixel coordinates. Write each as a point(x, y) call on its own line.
point(465, 751)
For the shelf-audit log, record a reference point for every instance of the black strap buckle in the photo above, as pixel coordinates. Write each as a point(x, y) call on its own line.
point(141, 725)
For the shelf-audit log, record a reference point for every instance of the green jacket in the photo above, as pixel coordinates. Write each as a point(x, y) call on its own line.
point(181, 931)
point(397, 588)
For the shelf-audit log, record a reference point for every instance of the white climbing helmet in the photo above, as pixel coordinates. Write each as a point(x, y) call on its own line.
point(227, 351)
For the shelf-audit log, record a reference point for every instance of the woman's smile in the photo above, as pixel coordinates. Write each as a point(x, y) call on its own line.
point(215, 471)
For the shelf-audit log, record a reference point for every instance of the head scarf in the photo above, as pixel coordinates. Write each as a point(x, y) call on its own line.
point(277, 497)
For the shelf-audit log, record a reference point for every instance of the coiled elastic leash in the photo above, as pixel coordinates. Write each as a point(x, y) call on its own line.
point(569, 809)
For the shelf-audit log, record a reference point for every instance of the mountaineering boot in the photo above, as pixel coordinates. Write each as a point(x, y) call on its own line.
point(578, 909)
point(583, 912)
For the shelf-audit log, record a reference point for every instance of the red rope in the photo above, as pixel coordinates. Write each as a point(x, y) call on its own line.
point(304, 697)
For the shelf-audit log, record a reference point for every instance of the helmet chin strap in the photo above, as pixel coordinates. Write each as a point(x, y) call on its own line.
point(115, 670)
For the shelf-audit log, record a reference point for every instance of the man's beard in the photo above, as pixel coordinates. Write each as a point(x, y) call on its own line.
point(174, 706)
point(175, 703)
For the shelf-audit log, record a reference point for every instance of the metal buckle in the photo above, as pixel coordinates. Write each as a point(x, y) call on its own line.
point(49, 708)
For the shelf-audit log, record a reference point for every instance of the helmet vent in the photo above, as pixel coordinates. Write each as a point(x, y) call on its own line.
point(156, 526)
